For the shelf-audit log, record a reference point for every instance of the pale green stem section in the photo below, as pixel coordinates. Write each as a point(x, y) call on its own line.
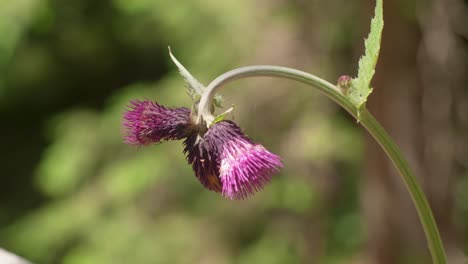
point(365, 118)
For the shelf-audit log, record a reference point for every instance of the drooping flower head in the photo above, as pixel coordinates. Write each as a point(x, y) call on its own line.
point(225, 160)
point(148, 122)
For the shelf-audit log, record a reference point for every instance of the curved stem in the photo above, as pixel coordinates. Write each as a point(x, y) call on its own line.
point(365, 118)
point(204, 107)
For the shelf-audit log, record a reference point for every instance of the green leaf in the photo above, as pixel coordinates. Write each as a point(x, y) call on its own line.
point(222, 116)
point(360, 87)
point(194, 87)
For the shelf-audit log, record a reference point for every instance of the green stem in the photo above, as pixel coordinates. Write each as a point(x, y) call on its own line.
point(365, 118)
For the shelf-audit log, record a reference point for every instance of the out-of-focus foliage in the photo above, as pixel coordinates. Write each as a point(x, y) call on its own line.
point(74, 65)
point(15, 19)
point(76, 194)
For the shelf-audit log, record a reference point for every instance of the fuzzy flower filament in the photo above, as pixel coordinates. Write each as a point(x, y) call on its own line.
point(245, 167)
point(148, 122)
point(225, 160)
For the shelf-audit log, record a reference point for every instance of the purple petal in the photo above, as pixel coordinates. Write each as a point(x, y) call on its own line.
point(246, 168)
point(227, 161)
point(147, 122)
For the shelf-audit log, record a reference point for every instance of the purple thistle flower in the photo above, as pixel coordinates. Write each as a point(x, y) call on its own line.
point(223, 158)
point(227, 161)
point(148, 122)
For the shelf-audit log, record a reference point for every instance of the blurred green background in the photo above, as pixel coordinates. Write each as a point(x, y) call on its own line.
point(72, 192)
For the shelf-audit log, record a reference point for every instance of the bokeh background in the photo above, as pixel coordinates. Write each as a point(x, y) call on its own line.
point(72, 192)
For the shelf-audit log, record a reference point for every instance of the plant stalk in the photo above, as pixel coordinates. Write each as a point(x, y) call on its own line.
point(364, 117)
